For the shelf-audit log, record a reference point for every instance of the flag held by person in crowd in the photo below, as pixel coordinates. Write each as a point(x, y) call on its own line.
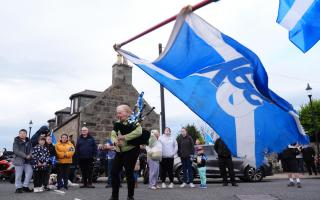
point(54, 142)
point(226, 85)
point(302, 19)
point(208, 138)
point(53, 138)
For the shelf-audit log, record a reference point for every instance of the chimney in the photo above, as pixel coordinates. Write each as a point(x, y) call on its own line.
point(121, 72)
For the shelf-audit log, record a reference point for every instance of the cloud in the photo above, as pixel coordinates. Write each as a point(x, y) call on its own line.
point(52, 49)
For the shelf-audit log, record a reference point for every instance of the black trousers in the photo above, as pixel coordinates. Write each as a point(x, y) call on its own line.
point(86, 167)
point(311, 167)
point(39, 178)
point(63, 174)
point(48, 172)
point(166, 165)
point(223, 164)
point(127, 160)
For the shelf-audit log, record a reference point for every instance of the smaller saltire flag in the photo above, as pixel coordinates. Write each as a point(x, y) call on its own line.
point(208, 138)
point(53, 138)
point(302, 19)
point(54, 142)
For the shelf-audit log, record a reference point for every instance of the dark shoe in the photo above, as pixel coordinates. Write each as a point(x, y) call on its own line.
point(19, 190)
point(291, 184)
point(299, 185)
point(26, 189)
point(234, 184)
point(91, 186)
point(130, 198)
point(83, 186)
point(46, 189)
point(225, 184)
point(66, 187)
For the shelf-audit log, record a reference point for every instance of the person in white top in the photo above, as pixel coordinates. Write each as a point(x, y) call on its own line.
point(169, 150)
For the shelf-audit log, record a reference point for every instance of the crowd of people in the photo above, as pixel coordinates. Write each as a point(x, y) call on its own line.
point(37, 157)
point(293, 160)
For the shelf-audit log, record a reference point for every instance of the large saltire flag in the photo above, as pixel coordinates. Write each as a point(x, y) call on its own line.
point(226, 85)
point(302, 19)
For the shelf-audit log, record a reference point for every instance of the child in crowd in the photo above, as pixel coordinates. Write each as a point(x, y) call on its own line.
point(136, 173)
point(201, 164)
point(40, 155)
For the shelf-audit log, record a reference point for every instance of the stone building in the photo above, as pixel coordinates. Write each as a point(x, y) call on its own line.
point(96, 110)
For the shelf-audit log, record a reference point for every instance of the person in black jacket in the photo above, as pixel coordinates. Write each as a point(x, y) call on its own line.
point(52, 154)
point(43, 132)
point(86, 150)
point(308, 157)
point(290, 164)
point(186, 153)
point(225, 160)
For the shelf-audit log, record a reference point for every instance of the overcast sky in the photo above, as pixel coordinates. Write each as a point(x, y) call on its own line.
point(52, 49)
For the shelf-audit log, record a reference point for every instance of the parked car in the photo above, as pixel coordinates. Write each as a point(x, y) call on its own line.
point(241, 168)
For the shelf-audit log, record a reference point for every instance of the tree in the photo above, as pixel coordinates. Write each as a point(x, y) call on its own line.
point(305, 114)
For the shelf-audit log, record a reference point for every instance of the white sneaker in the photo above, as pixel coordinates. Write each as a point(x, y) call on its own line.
point(153, 188)
point(192, 185)
point(37, 189)
point(183, 185)
point(163, 185)
point(170, 185)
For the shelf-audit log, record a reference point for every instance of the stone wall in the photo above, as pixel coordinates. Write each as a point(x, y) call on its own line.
point(101, 112)
point(70, 128)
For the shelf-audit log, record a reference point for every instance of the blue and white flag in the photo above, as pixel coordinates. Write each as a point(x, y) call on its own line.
point(302, 19)
point(208, 139)
point(53, 138)
point(226, 85)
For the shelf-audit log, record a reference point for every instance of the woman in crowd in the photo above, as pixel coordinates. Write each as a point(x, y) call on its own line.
point(154, 151)
point(65, 151)
point(169, 149)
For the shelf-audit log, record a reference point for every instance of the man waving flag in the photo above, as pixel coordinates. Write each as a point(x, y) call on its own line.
point(226, 85)
point(302, 19)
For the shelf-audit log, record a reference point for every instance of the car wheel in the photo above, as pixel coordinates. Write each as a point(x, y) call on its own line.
point(258, 175)
point(253, 175)
point(179, 175)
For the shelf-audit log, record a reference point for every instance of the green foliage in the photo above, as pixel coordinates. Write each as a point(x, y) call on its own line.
point(305, 114)
point(194, 133)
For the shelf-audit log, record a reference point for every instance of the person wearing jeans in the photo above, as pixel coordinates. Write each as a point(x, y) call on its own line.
point(186, 152)
point(22, 149)
point(110, 156)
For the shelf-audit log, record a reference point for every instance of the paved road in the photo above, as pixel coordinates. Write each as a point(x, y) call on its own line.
point(270, 189)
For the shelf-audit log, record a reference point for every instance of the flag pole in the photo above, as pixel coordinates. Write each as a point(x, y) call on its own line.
point(194, 7)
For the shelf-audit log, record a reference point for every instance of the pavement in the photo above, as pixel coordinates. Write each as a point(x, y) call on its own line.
point(271, 188)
